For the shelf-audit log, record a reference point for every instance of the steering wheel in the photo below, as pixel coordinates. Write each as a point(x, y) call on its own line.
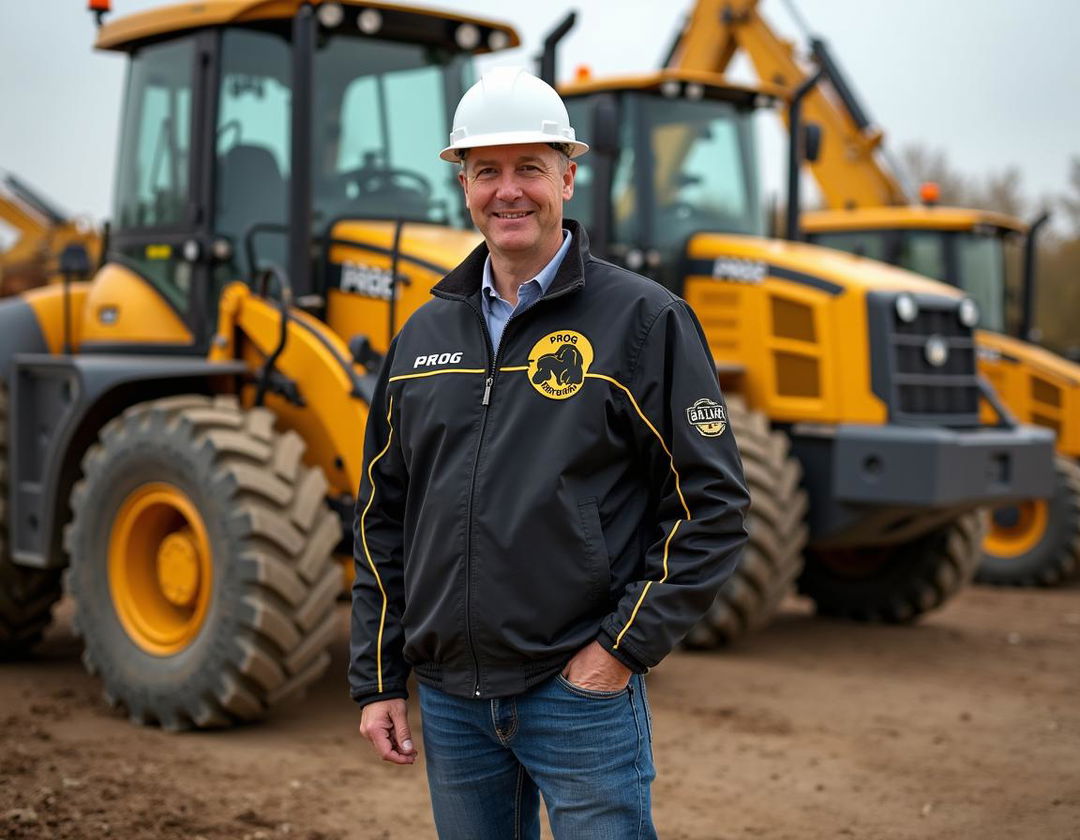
point(369, 180)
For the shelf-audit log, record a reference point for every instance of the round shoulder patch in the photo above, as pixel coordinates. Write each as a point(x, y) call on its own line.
point(558, 363)
point(708, 417)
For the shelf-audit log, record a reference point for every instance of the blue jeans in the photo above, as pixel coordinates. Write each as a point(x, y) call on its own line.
point(588, 752)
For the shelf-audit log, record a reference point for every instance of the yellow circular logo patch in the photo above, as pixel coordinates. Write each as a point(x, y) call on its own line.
point(558, 363)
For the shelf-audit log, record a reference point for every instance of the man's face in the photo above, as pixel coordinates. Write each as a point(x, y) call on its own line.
point(515, 195)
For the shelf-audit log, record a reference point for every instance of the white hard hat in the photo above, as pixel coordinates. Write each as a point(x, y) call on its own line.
point(510, 105)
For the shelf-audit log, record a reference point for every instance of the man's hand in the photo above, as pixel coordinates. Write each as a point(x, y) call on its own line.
point(386, 724)
point(594, 668)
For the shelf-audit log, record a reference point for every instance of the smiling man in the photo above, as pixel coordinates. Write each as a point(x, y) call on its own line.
point(539, 521)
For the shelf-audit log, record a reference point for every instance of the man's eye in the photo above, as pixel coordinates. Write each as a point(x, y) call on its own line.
point(487, 170)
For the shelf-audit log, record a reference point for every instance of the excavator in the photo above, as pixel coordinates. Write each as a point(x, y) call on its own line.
point(42, 232)
point(1032, 542)
point(854, 383)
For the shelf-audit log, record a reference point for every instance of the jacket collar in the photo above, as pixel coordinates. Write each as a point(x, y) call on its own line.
point(465, 280)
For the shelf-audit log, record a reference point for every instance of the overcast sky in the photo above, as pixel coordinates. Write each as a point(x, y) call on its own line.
point(995, 83)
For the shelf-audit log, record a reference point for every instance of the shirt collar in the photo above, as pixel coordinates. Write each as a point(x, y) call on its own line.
point(542, 279)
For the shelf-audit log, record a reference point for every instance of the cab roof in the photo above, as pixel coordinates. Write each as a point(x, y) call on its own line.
point(676, 83)
point(914, 216)
point(128, 31)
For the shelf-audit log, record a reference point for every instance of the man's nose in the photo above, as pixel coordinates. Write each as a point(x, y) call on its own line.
point(508, 188)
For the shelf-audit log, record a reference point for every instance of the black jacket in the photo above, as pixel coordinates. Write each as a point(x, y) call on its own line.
point(585, 487)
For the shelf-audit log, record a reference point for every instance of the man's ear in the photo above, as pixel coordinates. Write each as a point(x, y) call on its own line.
point(568, 181)
point(464, 185)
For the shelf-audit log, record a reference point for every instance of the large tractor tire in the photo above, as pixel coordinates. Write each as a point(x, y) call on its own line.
point(1036, 543)
point(26, 595)
point(776, 523)
point(201, 563)
point(896, 583)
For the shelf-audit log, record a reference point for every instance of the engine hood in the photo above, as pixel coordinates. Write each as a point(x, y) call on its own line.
point(1041, 360)
point(827, 268)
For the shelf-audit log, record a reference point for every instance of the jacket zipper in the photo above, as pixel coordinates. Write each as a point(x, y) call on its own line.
point(485, 402)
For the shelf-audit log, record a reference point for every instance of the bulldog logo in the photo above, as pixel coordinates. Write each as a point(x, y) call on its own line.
point(558, 363)
point(707, 417)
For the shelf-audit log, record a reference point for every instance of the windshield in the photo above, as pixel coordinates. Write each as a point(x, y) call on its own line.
point(381, 113)
point(980, 265)
point(700, 156)
point(683, 167)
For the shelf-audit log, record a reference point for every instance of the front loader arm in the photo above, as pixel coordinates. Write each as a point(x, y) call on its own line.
point(318, 392)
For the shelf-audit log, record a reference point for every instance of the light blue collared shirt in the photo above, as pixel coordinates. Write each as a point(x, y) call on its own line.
point(498, 311)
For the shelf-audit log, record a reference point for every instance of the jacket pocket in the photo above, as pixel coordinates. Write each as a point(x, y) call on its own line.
point(596, 556)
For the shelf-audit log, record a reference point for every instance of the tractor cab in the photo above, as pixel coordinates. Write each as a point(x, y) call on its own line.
point(251, 132)
point(674, 154)
point(974, 250)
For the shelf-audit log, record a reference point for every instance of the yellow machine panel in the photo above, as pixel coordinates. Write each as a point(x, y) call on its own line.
point(774, 308)
point(360, 303)
point(48, 305)
point(1038, 386)
point(122, 307)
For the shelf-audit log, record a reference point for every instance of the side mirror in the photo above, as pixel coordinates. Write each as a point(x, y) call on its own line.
point(604, 128)
point(75, 261)
point(812, 135)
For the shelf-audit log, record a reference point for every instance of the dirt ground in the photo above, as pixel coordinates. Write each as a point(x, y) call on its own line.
point(964, 726)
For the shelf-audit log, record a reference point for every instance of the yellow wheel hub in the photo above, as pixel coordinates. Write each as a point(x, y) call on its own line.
point(1017, 529)
point(160, 568)
point(178, 568)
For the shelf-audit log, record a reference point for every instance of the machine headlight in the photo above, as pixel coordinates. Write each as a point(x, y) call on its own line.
point(907, 310)
point(369, 21)
point(968, 312)
point(936, 351)
point(330, 15)
point(498, 39)
point(467, 36)
point(670, 89)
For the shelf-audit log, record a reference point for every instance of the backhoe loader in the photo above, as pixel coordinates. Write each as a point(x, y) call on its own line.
point(1035, 541)
point(182, 430)
point(855, 383)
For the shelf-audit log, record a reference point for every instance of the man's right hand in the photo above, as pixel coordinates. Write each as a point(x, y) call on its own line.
point(386, 724)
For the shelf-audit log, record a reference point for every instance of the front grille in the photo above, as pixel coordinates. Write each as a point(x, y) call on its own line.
point(916, 389)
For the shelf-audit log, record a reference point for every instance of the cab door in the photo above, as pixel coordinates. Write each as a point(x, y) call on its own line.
point(153, 293)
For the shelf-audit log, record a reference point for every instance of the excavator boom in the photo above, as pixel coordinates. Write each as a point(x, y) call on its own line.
point(847, 169)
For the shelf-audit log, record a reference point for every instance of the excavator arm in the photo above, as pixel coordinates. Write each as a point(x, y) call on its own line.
point(849, 169)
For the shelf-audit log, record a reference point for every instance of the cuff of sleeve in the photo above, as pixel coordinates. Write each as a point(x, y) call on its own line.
point(608, 644)
point(390, 694)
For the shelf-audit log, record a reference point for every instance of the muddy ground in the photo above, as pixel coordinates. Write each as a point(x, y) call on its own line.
point(964, 726)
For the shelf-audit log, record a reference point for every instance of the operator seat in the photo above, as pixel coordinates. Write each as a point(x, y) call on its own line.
point(251, 190)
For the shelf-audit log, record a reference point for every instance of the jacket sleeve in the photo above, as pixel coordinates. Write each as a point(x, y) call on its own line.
point(689, 454)
point(377, 668)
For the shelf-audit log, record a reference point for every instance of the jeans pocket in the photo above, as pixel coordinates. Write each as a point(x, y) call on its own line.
point(589, 693)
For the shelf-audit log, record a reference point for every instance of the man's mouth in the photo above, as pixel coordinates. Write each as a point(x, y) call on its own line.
point(512, 214)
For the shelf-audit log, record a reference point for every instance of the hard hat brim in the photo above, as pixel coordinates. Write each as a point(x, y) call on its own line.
point(511, 138)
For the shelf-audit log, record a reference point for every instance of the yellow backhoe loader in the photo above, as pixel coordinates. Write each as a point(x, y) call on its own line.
point(41, 232)
point(1035, 541)
point(183, 429)
point(857, 377)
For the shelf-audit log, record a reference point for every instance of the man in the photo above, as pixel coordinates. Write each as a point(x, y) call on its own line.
point(541, 518)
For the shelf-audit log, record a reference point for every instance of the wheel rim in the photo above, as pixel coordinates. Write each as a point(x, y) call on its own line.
point(160, 568)
point(1017, 529)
